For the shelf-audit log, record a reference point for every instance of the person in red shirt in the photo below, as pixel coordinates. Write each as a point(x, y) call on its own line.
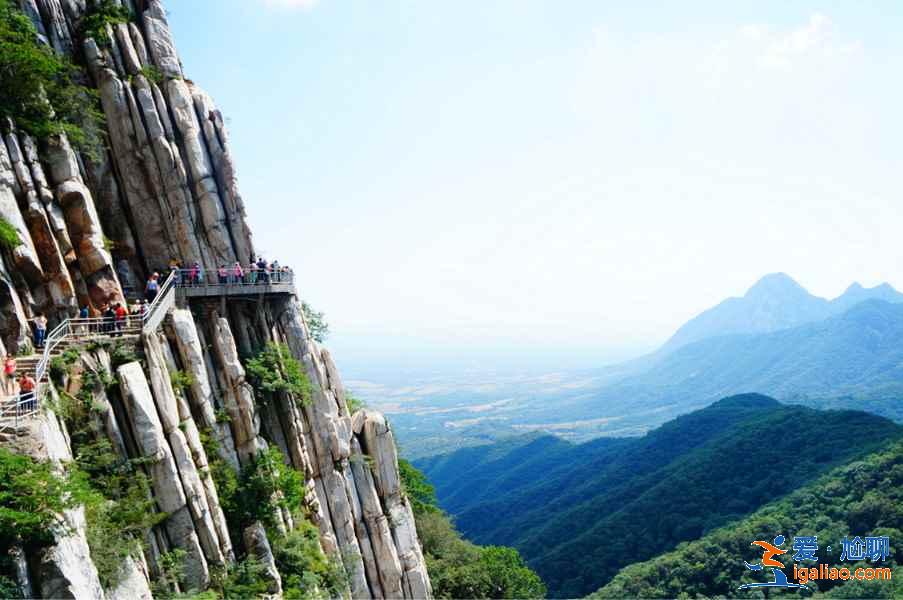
point(121, 316)
point(26, 392)
point(9, 369)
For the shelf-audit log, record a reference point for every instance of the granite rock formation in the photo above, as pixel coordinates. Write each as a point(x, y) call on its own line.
point(91, 230)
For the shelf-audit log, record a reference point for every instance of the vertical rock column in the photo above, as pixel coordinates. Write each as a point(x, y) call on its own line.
point(378, 442)
point(373, 523)
point(192, 354)
point(94, 261)
point(200, 169)
point(13, 321)
point(168, 410)
point(238, 396)
point(217, 139)
point(168, 489)
point(24, 255)
point(192, 435)
point(351, 498)
point(45, 224)
point(139, 177)
point(134, 579)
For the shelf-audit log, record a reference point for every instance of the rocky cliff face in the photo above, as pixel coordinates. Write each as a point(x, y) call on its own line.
point(91, 230)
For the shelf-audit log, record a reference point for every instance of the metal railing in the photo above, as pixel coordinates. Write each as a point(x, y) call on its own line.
point(165, 300)
point(246, 276)
point(196, 283)
point(20, 406)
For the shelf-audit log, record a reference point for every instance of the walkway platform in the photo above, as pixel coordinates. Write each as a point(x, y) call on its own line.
point(208, 290)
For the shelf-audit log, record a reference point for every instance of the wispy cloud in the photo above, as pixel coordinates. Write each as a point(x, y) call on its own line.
point(768, 48)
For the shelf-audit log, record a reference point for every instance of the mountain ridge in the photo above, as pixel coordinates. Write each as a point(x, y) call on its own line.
point(690, 475)
point(775, 302)
point(844, 498)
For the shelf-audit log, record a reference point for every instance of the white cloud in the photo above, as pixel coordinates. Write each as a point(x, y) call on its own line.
point(292, 4)
point(817, 38)
point(815, 47)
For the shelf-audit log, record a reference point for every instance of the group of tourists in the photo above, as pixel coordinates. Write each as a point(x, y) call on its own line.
point(114, 318)
point(258, 271)
point(117, 317)
point(24, 385)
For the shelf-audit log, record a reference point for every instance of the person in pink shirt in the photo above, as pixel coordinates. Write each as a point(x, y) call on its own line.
point(194, 275)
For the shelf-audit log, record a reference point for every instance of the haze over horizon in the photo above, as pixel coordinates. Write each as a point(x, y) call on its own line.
point(506, 179)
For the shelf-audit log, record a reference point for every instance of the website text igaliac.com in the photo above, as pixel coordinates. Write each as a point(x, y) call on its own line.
point(804, 574)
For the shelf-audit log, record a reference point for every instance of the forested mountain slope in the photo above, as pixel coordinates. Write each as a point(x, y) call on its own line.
point(862, 498)
point(645, 495)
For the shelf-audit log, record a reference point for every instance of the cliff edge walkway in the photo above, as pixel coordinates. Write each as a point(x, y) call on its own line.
point(180, 285)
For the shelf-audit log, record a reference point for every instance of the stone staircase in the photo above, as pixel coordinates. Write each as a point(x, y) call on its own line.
point(73, 333)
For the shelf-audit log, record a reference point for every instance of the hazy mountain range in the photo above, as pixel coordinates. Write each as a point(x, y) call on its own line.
point(778, 339)
point(775, 302)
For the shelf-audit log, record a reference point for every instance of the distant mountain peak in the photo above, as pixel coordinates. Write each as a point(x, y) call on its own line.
point(750, 400)
point(776, 283)
point(857, 293)
point(774, 302)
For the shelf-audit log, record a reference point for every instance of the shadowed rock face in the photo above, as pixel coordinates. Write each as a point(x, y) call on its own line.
point(90, 230)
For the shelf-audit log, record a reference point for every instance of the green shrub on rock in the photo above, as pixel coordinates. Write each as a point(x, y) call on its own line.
point(31, 498)
point(274, 369)
point(305, 570)
point(99, 14)
point(40, 90)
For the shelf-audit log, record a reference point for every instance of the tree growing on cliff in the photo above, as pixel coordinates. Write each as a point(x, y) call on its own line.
point(39, 89)
point(316, 322)
point(275, 370)
point(99, 14)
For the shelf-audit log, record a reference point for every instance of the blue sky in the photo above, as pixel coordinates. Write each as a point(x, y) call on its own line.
point(525, 177)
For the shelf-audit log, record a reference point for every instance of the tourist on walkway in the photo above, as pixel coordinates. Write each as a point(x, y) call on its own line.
point(121, 316)
point(238, 274)
point(252, 272)
point(83, 314)
point(194, 274)
point(9, 369)
point(152, 287)
point(223, 274)
point(277, 274)
point(109, 319)
point(175, 267)
point(27, 399)
point(40, 330)
point(263, 270)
